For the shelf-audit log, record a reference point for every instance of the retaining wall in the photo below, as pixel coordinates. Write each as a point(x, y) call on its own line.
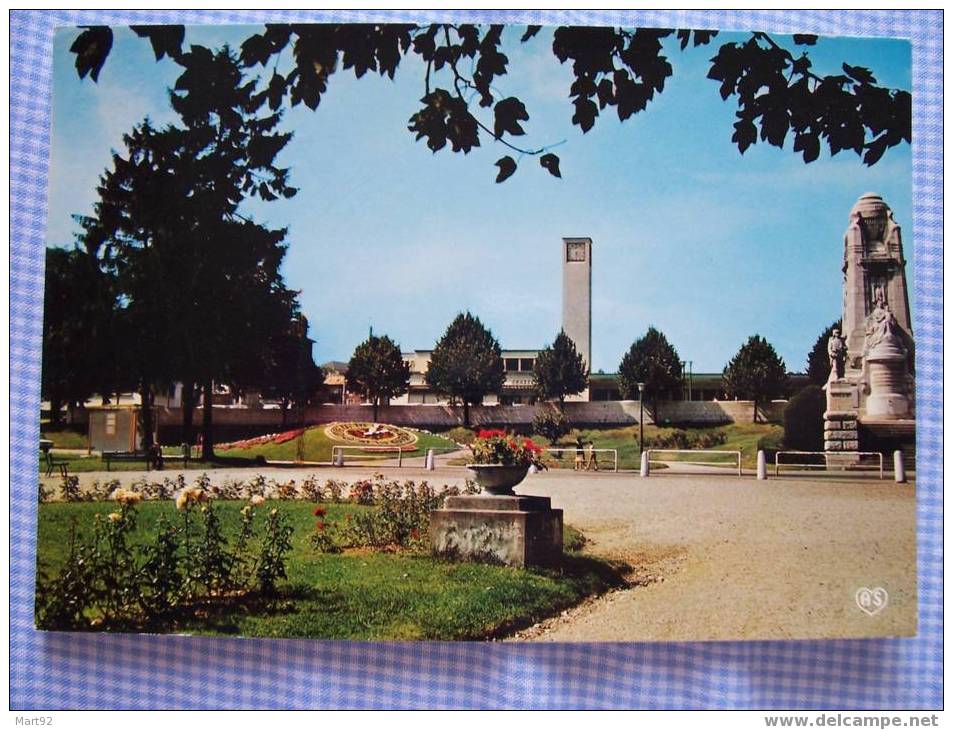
point(233, 423)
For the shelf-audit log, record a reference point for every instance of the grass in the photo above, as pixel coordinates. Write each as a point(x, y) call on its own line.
point(315, 446)
point(359, 594)
point(742, 436)
point(63, 436)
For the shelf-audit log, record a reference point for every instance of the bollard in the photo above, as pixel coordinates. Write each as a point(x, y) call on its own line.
point(429, 464)
point(762, 466)
point(532, 469)
point(339, 457)
point(644, 465)
point(899, 470)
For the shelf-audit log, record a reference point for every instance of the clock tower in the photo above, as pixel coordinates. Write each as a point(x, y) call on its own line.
point(577, 296)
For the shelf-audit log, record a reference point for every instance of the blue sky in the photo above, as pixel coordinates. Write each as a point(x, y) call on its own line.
point(688, 235)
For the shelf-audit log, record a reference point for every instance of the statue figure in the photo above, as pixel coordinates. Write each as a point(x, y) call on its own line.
point(837, 352)
point(880, 324)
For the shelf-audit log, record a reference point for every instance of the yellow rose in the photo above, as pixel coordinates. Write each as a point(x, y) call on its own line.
point(114, 517)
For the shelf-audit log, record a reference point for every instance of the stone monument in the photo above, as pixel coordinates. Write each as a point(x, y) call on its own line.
point(870, 392)
point(514, 530)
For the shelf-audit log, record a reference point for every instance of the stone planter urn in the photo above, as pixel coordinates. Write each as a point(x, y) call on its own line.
point(498, 479)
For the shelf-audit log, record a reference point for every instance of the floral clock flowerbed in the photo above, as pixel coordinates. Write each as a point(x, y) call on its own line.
point(370, 434)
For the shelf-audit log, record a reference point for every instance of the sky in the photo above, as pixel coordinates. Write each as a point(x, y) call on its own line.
point(689, 236)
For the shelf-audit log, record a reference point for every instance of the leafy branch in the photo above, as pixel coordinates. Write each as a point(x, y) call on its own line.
point(777, 93)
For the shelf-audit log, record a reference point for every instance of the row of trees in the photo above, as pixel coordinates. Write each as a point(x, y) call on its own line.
point(466, 365)
point(169, 282)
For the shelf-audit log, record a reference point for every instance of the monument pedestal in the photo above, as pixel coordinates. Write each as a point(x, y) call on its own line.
point(517, 531)
point(840, 423)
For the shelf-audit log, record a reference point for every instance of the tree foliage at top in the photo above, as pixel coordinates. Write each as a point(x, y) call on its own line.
point(818, 361)
point(83, 338)
point(200, 283)
point(776, 90)
point(466, 364)
point(755, 373)
point(378, 370)
point(653, 361)
point(560, 370)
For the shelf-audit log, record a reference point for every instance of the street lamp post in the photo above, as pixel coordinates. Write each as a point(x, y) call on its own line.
point(641, 418)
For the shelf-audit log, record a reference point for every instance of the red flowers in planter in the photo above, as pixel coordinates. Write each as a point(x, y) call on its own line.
point(489, 433)
point(494, 446)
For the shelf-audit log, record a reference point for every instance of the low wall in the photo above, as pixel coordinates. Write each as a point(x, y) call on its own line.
point(235, 423)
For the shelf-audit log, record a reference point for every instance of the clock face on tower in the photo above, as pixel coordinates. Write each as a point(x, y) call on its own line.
point(576, 251)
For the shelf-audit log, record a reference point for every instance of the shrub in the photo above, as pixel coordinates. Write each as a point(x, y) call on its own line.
point(335, 489)
point(681, 439)
point(70, 489)
point(312, 490)
point(804, 420)
point(552, 425)
point(461, 435)
point(362, 491)
point(275, 544)
point(108, 582)
point(322, 539)
point(400, 517)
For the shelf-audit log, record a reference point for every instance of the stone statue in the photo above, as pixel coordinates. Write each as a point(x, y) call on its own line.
point(837, 352)
point(881, 326)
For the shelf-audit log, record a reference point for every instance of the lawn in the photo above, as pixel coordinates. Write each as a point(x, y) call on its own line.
point(314, 445)
point(742, 436)
point(360, 594)
point(63, 436)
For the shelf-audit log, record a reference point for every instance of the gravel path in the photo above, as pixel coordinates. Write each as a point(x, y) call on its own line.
point(722, 557)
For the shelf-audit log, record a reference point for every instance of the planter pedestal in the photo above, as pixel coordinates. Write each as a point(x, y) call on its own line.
point(506, 530)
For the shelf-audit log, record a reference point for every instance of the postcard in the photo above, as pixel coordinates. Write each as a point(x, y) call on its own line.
point(478, 332)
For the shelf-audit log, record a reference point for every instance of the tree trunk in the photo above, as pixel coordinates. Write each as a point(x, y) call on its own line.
point(375, 404)
point(188, 408)
point(208, 450)
point(755, 411)
point(145, 416)
point(56, 405)
point(562, 404)
point(466, 412)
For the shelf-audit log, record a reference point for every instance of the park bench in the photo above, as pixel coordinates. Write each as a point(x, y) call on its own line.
point(152, 460)
point(52, 464)
point(111, 456)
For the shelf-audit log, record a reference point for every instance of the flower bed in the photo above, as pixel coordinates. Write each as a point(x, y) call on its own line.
point(370, 434)
point(270, 438)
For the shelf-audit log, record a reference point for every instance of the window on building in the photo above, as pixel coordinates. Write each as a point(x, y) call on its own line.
point(511, 364)
point(526, 364)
